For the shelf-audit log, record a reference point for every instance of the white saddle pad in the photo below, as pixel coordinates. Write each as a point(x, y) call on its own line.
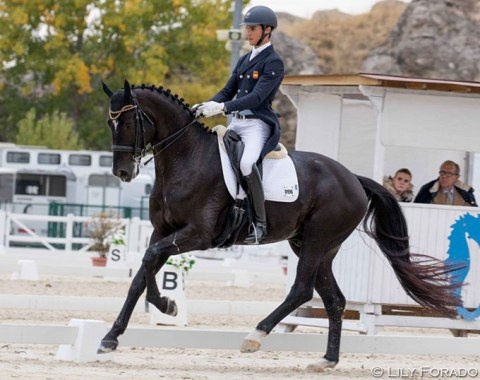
point(280, 182)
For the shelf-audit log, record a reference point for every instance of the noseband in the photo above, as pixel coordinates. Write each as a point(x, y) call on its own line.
point(140, 147)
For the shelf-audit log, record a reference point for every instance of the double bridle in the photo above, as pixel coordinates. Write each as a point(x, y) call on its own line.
point(140, 147)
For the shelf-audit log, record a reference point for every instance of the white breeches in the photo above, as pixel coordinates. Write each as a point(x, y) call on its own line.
point(254, 134)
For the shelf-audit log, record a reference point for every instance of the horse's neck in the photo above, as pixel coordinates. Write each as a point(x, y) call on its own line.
point(194, 148)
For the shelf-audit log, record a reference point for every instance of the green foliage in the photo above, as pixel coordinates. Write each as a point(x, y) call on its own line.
point(54, 131)
point(54, 54)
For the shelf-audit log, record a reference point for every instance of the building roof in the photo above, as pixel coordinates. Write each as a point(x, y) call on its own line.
point(380, 80)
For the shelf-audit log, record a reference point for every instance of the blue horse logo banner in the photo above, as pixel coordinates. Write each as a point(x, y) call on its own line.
point(465, 227)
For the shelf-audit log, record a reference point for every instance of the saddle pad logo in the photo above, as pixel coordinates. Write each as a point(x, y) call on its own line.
point(289, 191)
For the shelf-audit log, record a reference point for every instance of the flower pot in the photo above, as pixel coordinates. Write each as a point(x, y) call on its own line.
point(99, 261)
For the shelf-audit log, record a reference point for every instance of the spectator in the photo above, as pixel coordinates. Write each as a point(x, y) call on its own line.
point(400, 185)
point(447, 189)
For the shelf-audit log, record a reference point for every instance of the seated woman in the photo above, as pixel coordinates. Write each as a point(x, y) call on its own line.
point(400, 185)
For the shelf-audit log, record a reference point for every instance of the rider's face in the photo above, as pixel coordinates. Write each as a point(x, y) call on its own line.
point(254, 33)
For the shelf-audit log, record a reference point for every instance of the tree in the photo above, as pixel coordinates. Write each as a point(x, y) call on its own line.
point(54, 54)
point(54, 131)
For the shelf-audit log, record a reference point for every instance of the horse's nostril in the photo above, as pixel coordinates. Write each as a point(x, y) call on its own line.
point(120, 173)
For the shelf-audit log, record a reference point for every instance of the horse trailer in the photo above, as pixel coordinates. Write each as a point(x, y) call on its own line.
point(42, 181)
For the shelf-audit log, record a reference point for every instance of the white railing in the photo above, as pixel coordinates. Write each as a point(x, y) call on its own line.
point(30, 230)
point(369, 283)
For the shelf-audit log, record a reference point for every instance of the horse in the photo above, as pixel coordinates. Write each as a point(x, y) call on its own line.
point(189, 205)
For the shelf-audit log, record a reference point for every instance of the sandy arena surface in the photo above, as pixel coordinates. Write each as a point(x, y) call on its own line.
point(35, 362)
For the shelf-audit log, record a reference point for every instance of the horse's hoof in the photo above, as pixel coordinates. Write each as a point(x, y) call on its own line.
point(321, 366)
point(250, 345)
point(171, 308)
point(107, 345)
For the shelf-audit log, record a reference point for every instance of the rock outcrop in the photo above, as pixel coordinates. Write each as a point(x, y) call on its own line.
point(298, 59)
point(432, 39)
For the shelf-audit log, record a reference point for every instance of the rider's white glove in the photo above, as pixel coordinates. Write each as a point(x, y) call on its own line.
point(195, 108)
point(209, 109)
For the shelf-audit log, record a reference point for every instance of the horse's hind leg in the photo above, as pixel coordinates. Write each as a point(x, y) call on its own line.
point(334, 302)
point(301, 292)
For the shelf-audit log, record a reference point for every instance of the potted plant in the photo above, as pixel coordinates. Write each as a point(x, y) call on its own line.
point(101, 229)
point(184, 261)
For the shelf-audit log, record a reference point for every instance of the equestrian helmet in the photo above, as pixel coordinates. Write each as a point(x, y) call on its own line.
point(260, 15)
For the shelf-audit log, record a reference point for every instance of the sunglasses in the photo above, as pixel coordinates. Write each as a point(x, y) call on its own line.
point(446, 174)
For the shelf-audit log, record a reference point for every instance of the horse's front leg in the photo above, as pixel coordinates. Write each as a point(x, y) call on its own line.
point(110, 341)
point(164, 304)
point(174, 244)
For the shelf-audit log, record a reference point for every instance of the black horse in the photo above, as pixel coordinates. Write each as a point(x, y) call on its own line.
point(190, 203)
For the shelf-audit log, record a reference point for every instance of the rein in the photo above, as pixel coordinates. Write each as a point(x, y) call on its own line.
point(169, 140)
point(140, 151)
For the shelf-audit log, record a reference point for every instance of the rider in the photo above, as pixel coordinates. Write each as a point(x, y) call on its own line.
point(254, 81)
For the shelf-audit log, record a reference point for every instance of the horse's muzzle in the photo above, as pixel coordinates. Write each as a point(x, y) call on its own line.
point(126, 173)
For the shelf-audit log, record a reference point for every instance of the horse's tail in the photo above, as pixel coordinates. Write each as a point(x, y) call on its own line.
point(426, 279)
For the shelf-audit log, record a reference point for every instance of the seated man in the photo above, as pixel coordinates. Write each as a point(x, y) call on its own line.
point(447, 189)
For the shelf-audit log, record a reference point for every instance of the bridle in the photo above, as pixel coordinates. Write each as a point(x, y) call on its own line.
point(140, 147)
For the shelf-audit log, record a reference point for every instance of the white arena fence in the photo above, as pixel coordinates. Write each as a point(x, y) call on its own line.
point(16, 231)
point(370, 285)
point(79, 341)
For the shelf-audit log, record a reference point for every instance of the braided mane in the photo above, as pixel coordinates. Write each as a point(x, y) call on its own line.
point(168, 93)
point(174, 98)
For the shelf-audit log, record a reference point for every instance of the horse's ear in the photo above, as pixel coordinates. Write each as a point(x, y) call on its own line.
point(128, 93)
point(106, 89)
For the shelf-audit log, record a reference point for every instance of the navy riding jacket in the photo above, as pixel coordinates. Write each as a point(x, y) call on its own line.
point(254, 84)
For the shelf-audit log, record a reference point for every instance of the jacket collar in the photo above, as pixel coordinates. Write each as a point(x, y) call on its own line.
point(459, 185)
point(246, 64)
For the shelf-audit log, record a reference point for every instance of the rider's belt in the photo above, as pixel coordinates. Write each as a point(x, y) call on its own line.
point(242, 116)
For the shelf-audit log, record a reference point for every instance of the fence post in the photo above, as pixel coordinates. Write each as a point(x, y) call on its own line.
point(3, 224)
point(69, 233)
point(132, 231)
point(90, 333)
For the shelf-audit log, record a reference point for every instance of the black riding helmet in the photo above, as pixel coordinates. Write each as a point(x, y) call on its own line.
point(260, 15)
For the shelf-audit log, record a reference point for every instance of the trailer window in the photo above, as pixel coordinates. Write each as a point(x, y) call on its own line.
point(18, 157)
point(106, 161)
point(49, 158)
point(41, 185)
point(80, 160)
point(57, 186)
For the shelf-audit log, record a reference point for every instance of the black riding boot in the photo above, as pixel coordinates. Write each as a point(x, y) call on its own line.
point(256, 199)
